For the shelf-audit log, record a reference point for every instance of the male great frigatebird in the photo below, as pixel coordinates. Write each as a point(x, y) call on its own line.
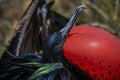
point(54, 43)
point(94, 51)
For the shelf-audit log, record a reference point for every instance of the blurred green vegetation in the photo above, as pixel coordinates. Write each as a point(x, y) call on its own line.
point(101, 13)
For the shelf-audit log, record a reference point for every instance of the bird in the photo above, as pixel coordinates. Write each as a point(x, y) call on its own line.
point(54, 42)
point(90, 50)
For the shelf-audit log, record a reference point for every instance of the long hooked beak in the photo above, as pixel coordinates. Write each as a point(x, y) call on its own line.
point(64, 31)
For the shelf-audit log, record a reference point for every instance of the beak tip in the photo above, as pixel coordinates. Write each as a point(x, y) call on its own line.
point(81, 7)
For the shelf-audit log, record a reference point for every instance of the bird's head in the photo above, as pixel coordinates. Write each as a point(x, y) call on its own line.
point(54, 43)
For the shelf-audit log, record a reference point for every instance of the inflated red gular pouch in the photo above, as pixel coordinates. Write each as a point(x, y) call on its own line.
point(95, 51)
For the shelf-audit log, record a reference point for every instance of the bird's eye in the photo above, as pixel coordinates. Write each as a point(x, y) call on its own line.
point(58, 39)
